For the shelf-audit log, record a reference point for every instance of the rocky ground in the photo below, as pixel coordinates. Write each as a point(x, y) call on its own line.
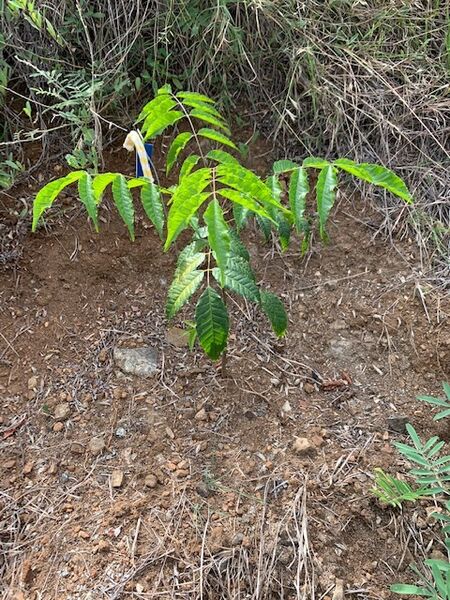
point(186, 484)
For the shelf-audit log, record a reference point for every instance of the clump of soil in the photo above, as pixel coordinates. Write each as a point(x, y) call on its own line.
point(187, 484)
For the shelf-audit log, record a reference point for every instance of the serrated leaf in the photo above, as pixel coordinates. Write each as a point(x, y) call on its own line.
point(204, 106)
point(163, 103)
point(188, 165)
point(284, 229)
point(186, 200)
point(100, 183)
point(211, 322)
point(240, 215)
point(155, 125)
point(216, 136)
point(265, 226)
point(189, 259)
point(326, 194)
point(218, 236)
point(283, 166)
point(237, 248)
point(244, 200)
point(48, 194)
point(181, 290)
point(87, 197)
point(124, 201)
point(195, 96)
point(377, 175)
point(197, 113)
point(239, 278)
point(176, 147)
point(314, 163)
point(298, 191)
point(151, 201)
point(221, 156)
point(274, 309)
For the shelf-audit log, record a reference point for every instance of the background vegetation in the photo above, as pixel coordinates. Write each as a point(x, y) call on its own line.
point(334, 77)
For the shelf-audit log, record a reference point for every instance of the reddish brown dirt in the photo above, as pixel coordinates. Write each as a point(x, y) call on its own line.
point(235, 511)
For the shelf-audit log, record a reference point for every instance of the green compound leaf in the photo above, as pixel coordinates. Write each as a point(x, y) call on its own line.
point(211, 322)
point(100, 184)
point(377, 175)
point(48, 194)
point(182, 289)
point(195, 96)
point(154, 126)
point(206, 117)
point(124, 202)
point(218, 236)
point(283, 166)
point(314, 163)
point(274, 309)
point(87, 197)
point(188, 165)
point(221, 156)
point(151, 201)
point(176, 147)
point(326, 194)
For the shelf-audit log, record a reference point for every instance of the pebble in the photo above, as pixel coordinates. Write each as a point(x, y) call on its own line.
point(32, 382)
point(151, 481)
point(203, 490)
point(120, 432)
point(117, 478)
point(9, 464)
point(338, 593)
point(302, 445)
point(201, 415)
point(398, 423)
point(77, 448)
point(177, 337)
point(28, 467)
point(287, 408)
point(309, 388)
point(237, 539)
point(57, 427)
point(62, 411)
point(96, 445)
point(137, 361)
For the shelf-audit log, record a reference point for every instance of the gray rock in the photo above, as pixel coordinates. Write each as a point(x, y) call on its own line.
point(137, 361)
point(398, 423)
point(96, 445)
point(120, 432)
point(62, 411)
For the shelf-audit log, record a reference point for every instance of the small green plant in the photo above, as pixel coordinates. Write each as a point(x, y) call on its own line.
point(9, 169)
point(432, 478)
point(214, 197)
point(445, 404)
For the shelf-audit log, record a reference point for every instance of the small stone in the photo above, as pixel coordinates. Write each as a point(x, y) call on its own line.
point(180, 473)
point(84, 535)
point(139, 588)
point(120, 432)
point(117, 478)
point(309, 388)
point(338, 593)
point(203, 490)
point(287, 408)
point(96, 445)
point(302, 445)
point(9, 464)
point(177, 337)
point(137, 361)
point(150, 481)
point(33, 382)
point(237, 539)
point(57, 427)
point(62, 411)
point(28, 467)
point(103, 355)
point(201, 415)
point(398, 423)
point(77, 448)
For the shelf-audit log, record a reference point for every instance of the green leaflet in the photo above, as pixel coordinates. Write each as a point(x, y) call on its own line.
point(247, 183)
point(314, 163)
point(154, 126)
point(186, 200)
point(197, 113)
point(48, 194)
point(274, 310)
point(283, 166)
point(411, 590)
point(266, 227)
point(189, 258)
point(218, 236)
point(325, 192)
point(176, 147)
point(237, 248)
point(159, 105)
point(284, 229)
point(181, 290)
point(195, 96)
point(204, 106)
point(100, 183)
point(240, 214)
point(298, 191)
point(377, 175)
point(87, 197)
point(188, 165)
point(151, 201)
point(239, 278)
point(124, 201)
point(244, 200)
point(211, 322)
point(216, 136)
point(221, 156)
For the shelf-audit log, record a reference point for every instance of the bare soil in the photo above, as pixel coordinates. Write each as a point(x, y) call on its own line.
point(199, 487)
